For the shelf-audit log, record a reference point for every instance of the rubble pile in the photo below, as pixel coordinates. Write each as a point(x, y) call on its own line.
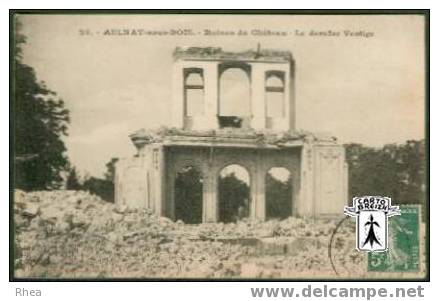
point(74, 234)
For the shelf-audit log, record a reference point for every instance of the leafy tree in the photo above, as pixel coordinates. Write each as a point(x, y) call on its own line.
point(72, 182)
point(189, 196)
point(396, 171)
point(278, 197)
point(40, 121)
point(234, 194)
point(104, 188)
point(412, 171)
point(111, 169)
point(100, 187)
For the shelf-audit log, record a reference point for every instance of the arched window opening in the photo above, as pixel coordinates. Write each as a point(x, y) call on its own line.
point(234, 100)
point(278, 193)
point(234, 193)
point(193, 92)
point(274, 94)
point(189, 195)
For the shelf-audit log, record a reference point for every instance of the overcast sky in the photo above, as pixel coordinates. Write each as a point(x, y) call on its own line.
point(365, 90)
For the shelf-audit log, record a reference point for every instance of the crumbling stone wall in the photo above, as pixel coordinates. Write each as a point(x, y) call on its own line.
point(317, 166)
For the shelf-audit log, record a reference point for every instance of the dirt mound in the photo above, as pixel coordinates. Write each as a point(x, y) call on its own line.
point(75, 234)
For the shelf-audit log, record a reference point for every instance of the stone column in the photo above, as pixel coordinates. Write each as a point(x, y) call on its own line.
point(258, 96)
point(210, 195)
point(290, 93)
point(211, 95)
point(158, 158)
point(345, 182)
point(260, 189)
point(210, 199)
point(305, 201)
point(131, 182)
point(170, 193)
point(117, 182)
point(177, 107)
point(330, 191)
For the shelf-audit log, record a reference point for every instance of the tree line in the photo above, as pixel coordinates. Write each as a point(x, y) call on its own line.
point(396, 171)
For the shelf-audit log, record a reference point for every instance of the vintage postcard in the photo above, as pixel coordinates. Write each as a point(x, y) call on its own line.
point(212, 146)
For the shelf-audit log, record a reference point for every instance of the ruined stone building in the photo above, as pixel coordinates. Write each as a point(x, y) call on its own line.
point(250, 123)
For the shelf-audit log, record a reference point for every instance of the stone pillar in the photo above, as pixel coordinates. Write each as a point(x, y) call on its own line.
point(170, 193)
point(177, 107)
point(210, 191)
point(258, 96)
point(345, 182)
point(158, 158)
point(210, 207)
point(131, 182)
point(253, 197)
point(295, 182)
point(118, 183)
point(210, 119)
point(305, 202)
point(290, 93)
point(330, 180)
point(260, 189)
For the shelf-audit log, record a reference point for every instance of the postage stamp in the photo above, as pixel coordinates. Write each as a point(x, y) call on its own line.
point(403, 253)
